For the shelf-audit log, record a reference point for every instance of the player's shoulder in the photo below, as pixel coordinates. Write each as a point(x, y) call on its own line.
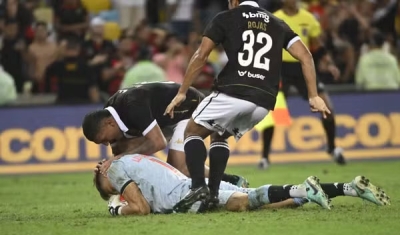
point(279, 13)
point(307, 15)
point(223, 16)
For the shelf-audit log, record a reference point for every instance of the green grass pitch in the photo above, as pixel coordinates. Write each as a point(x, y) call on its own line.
point(69, 204)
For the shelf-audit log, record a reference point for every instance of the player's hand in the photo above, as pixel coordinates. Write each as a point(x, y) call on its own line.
point(179, 98)
point(318, 105)
point(98, 166)
point(104, 166)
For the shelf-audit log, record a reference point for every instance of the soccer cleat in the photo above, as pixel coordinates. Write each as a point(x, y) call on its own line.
point(210, 204)
point(193, 196)
point(370, 192)
point(263, 164)
point(315, 192)
point(242, 182)
point(337, 155)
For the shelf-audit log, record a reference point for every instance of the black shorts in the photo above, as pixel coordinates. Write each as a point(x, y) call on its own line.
point(292, 75)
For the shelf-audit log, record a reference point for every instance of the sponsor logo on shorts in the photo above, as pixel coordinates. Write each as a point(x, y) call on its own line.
point(215, 126)
point(251, 75)
point(179, 141)
point(258, 14)
point(237, 133)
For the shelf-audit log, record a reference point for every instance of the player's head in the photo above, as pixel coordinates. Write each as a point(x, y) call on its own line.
point(73, 46)
point(103, 185)
point(101, 128)
point(97, 27)
point(41, 31)
point(293, 4)
point(235, 3)
point(377, 39)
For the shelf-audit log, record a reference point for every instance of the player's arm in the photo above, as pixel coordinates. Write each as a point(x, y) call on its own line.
point(299, 51)
point(122, 183)
point(137, 204)
point(213, 35)
point(124, 145)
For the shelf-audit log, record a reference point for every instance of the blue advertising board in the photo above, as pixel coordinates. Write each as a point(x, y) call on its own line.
point(50, 139)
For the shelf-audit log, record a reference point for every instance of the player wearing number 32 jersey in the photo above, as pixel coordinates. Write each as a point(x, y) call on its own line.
point(243, 92)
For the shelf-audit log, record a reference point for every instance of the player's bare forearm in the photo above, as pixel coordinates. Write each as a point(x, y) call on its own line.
point(137, 204)
point(299, 51)
point(289, 203)
point(147, 148)
point(195, 66)
point(129, 210)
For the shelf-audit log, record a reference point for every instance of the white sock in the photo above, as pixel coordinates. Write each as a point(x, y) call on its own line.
point(297, 191)
point(349, 191)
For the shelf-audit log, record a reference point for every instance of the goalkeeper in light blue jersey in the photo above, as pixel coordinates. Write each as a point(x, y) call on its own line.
point(149, 185)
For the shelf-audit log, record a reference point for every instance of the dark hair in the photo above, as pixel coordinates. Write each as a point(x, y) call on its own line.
point(92, 122)
point(377, 39)
point(143, 53)
point(40, 24)
point(98, 183)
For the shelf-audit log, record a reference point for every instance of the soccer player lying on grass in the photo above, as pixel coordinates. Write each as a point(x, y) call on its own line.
point(150, 185)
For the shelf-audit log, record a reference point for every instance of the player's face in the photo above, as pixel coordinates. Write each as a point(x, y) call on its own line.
point(290, 3)
point(109, 133)
point(41, 33)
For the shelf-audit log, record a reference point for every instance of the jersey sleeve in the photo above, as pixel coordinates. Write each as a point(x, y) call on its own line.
point(289, 37)
point(215, 29)
point(118, 177)
point(315, 28)
point(139, 115)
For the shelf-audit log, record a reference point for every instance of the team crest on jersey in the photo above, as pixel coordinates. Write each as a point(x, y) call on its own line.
point(304, 31)
point(258, 14)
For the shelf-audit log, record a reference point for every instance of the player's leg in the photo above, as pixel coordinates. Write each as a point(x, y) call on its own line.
point(329, 122)
point(176, 156)
point(267, 135)
point(270, 194)
point(196, 152)
point(360, 187)
point(219, 155)
point(329, 125)
point(239, 124)
point(216, 113)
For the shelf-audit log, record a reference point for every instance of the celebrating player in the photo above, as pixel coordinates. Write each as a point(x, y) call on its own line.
point(159, 189)
point(243, 92)
point(133, 122)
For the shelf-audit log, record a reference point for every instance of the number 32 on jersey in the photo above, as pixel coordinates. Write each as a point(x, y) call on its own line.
point(260, 62)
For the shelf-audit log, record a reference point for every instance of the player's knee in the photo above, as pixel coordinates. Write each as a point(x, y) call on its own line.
point(177, 159)
point(238, 202)
point(215, 137)
point(193, 129)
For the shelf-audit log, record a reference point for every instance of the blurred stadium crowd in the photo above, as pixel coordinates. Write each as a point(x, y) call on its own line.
point(85, 50)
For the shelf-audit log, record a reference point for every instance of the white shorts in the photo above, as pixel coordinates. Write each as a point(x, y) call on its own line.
point(222, 113)
point(175, 135)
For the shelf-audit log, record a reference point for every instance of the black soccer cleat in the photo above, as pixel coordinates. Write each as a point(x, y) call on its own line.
point(213, 202)
point(337, 155)
point(193, 196)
